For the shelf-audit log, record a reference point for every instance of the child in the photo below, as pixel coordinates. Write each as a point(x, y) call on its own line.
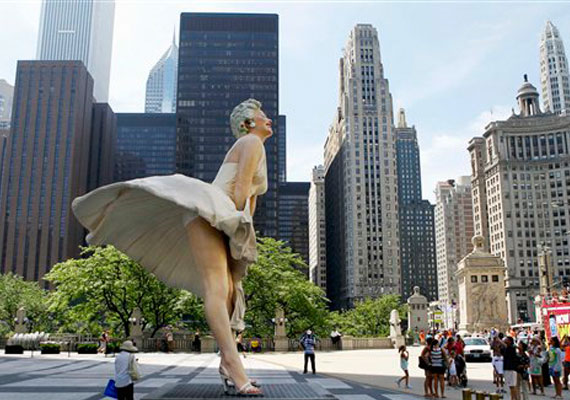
point(404, 365)
point(453, 378)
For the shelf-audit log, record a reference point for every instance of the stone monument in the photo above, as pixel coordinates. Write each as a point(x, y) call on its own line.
point(482, 297)
point(21, 321)
point(417, 312)
point(395, 330)
point(136, 327)
point(280, 338)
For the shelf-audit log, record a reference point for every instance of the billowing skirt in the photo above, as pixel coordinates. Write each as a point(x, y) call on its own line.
point(146, 219)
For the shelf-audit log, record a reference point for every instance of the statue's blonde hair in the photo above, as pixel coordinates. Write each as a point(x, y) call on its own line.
point(245, 111)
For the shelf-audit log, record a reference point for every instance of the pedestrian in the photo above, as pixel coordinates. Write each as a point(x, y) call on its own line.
point(498, 371)
point(555, 365)
point(425, 364)
point(523, 380)
point(422, 337)
point(536, 361)
point(459, 345)
point(126, 371)
point(452, 370)
point(404, 358)
point(239, 343)
point(103, 342)
point(438, 368)
point(308, 341)
point(335, 338)
point(169, 339)
point(510, 367)
point(196, 343)
point(566, 363)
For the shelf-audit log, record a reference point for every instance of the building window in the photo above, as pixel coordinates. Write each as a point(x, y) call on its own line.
point(484, 278)
point(473, 278)
point(495, 278)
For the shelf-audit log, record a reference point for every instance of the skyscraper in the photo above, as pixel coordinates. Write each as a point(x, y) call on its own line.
point(282, 147)
point(361, 179)
point(417, 232)
point(554, 75)
point(79, 30)
point(6, 97)
point(161, 83)
point(102, 146)
point(453, 234)
point(46, 166)
point(521, 201)
point(294, 217)
point(317, 229)
point(146, 145)
point(225, 59)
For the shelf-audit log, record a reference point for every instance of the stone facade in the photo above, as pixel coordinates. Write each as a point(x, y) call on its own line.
point(482, 299)
point(417, 312)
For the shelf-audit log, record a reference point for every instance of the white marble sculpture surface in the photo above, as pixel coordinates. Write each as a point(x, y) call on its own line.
point(395, 329)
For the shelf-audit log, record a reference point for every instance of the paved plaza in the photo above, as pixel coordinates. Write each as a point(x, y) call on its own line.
point(348, 375)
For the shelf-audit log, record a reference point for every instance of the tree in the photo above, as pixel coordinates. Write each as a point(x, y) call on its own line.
point(104, 288)
point(273, 281)
point(369, 318)
point(15, 292)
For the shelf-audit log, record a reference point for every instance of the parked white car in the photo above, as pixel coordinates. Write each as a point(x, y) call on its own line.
point(477, 348)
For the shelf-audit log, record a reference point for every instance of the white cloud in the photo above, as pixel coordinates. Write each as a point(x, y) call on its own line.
point(446, 157)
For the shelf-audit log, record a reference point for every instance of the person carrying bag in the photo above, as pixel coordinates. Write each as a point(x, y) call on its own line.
point(126, 371)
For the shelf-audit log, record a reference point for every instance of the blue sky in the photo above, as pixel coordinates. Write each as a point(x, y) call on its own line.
point(454, 66)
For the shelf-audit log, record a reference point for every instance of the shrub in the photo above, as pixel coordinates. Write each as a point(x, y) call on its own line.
point(50, 348)
point(87, 348)
point(113, 347)
point(13, 349)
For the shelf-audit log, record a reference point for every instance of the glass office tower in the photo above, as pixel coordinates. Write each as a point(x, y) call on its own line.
point(225, 59)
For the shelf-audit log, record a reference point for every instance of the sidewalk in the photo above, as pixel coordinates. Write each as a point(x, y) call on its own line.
point(380, 369)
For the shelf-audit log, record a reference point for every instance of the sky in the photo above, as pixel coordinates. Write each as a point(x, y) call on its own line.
point(453, 66)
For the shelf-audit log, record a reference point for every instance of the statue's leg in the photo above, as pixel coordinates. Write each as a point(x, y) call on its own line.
point(211, 259)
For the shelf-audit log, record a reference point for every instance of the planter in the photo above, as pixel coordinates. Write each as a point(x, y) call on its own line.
point(87, 348)
point(14, 349)
point(50, 348)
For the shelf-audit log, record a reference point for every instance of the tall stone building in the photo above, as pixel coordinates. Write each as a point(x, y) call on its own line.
point(146, 145)
point(453, 234)
point(361, 179)
point(46, 166)
point(417, 234)
point(225, 59)
point(554, 75)
point(6, 98)
point(294, 217)
point(79, 30)
point(522, 169)
point(102, 146)
point(161, 83)
point(317, 229)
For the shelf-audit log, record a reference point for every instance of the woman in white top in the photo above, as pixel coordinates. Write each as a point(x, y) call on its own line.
point(126, 371)
point(194, 235)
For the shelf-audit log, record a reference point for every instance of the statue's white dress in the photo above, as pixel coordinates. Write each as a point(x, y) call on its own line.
point(146, 219)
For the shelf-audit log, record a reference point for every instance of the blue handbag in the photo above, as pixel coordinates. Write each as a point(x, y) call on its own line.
point(111, 390)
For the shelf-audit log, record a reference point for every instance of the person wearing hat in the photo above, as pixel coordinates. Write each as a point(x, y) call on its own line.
point(126, 371)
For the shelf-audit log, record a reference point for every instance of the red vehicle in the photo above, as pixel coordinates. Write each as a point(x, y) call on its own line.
point(556, 318)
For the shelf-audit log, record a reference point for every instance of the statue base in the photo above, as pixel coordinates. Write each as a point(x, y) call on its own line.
point(297, 391)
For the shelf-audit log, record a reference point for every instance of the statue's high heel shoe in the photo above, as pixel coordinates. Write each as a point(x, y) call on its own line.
point(248, 390)
point(225, 375)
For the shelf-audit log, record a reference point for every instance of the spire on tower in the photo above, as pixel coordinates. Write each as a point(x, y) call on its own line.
point(402, 118)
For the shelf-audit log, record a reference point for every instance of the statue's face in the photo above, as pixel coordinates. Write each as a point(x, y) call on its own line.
point(263, 124)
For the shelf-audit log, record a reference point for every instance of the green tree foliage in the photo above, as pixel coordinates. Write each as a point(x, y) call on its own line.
point(369, 318)
point(274, 280)
point(15, 292)
point(104, 288)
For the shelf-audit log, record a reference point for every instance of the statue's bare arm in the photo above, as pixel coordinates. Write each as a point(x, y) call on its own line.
point(250, 153)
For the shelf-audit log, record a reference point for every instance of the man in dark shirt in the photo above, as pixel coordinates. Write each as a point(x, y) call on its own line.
point(510, 365)
point(308, 341)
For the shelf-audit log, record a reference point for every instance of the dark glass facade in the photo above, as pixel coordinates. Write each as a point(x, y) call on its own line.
point(282, 148)
point(294, 217)
point(46, 166)
point(146, 145)
point(336, 231)
point(417, 227)
point(102, 147)
point(225, 59)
